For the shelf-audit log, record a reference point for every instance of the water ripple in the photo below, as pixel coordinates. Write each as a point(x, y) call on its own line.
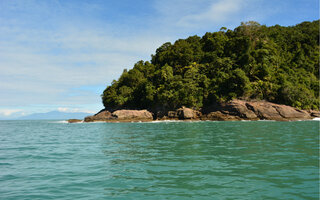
point(168, 160)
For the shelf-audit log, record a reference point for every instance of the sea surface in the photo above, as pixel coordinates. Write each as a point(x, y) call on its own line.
point(166, 160)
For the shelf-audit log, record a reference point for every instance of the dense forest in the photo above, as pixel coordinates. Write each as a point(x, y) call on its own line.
point(278, 64)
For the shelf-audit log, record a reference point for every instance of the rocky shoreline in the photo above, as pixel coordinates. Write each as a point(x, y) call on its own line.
point(234, 110)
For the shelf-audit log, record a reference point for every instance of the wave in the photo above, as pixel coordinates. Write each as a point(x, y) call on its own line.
point(61, 122)
point(66, 122)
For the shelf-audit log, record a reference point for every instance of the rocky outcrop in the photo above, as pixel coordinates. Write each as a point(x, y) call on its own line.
point(271, 111)
point(103, 115)
point(74, 120)
point(120, 115)
point(314, 113)
point(230, 111)
point(255, 110)
point(132, 115)
point(220, 116)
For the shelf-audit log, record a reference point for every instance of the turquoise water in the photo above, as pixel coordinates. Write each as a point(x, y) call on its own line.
point(168, 160)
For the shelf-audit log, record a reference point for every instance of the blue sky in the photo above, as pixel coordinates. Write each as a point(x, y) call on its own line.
point(60, 55)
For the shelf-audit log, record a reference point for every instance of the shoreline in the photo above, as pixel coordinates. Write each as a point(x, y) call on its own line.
point(234, 110)
point(181, 121)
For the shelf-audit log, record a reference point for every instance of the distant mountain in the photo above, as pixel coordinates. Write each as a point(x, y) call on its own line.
point(56, 115)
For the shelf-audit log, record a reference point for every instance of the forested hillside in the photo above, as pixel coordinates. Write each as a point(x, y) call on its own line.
point(278, 64)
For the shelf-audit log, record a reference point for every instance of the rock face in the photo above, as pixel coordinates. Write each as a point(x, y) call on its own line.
point(271, 111)
point(220, 116)
point(255, 110)
point(103, 115)
point(132, 115)
point(314, 113)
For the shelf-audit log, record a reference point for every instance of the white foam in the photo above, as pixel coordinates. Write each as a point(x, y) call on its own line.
point(66, 122)
point(164, 121)
point(316, 119)
point(61, 122)
point(77, 122)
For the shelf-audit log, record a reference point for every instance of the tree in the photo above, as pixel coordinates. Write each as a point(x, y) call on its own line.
point(278, 64)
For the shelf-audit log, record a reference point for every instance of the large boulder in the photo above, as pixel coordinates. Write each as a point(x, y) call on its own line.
point(128, 115)
point(271, 111)
point(265, 110)
point(255, 110)
point(188, 113)
point(239, 108)
point(103, 115)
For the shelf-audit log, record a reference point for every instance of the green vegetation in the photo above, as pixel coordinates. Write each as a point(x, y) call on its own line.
point(277, 64)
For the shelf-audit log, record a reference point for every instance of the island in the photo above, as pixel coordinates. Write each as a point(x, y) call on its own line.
point(253, 72)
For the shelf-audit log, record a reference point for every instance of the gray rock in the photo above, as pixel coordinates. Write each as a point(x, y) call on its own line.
point(103, 115)
point(188, 113)
point(74, 120)
point(132, 115)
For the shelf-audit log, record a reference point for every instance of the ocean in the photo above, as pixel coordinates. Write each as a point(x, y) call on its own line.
point(165, 160)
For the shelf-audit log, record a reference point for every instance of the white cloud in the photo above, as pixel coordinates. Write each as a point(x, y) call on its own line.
point(45, 69)
point(75, 110)
point(8, 112)
point(43, 57)
point(190, 17)
point(63, 109)
point(217, 12)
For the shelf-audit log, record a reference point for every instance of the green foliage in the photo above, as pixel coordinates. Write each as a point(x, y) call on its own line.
point(278, 64)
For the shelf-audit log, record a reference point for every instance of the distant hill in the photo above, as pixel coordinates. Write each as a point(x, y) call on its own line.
point(55, 115)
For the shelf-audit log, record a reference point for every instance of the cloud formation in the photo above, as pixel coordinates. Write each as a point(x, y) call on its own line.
point(217, 12)
point(74, 110)
point(46, 67)
point(8, 112)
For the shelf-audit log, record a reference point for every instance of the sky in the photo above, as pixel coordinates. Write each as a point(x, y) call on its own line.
point(62, 54)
